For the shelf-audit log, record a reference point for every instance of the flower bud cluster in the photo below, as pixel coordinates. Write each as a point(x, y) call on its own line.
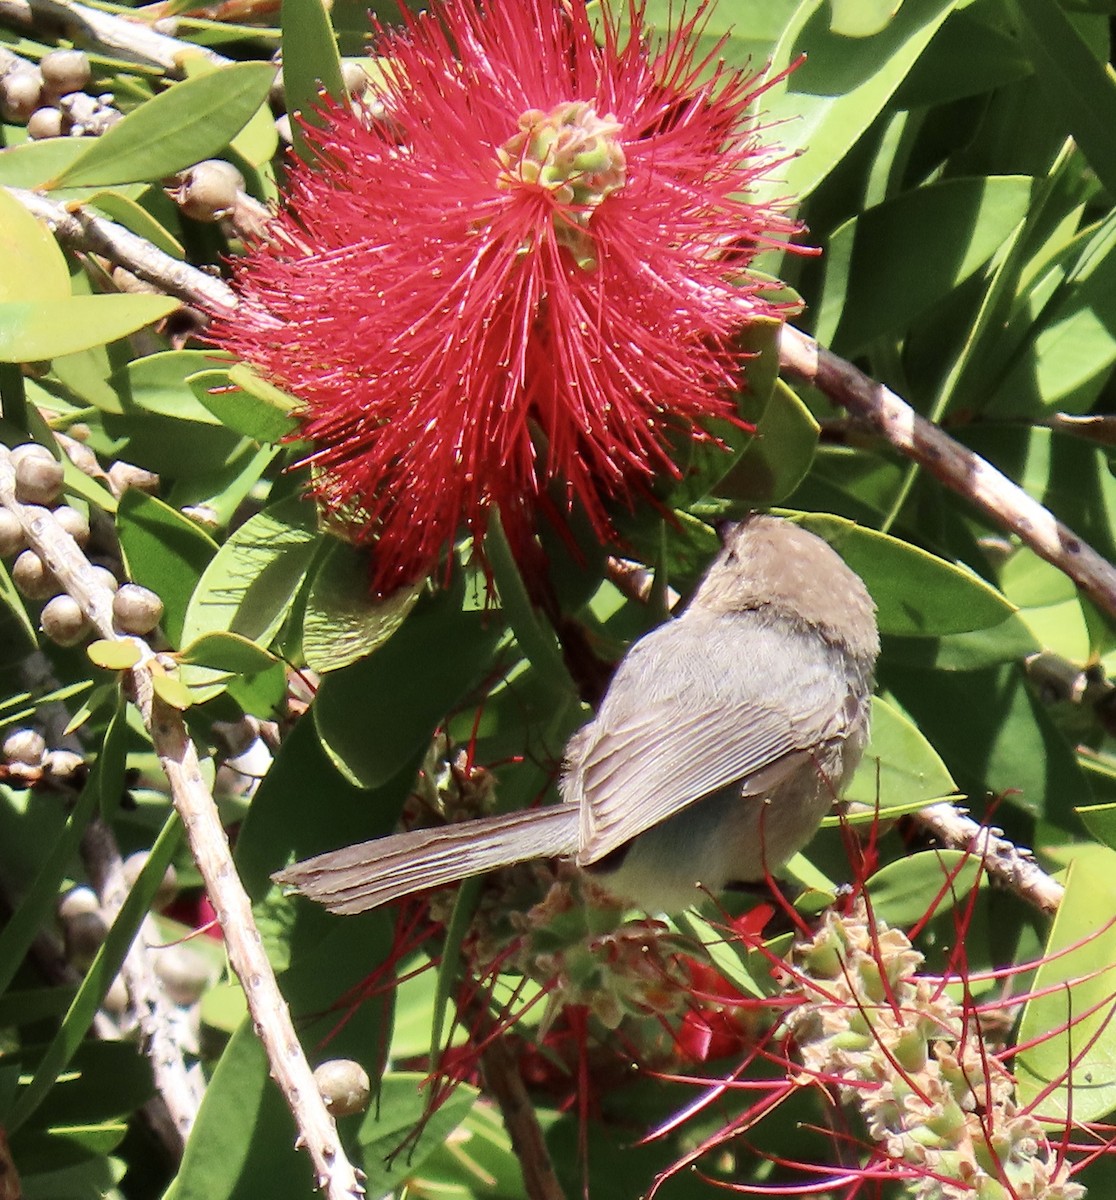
point(38, 479)
point(906, 1055)
point(50, 98)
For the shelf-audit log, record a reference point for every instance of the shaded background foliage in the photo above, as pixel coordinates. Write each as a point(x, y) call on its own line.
point(958, 169)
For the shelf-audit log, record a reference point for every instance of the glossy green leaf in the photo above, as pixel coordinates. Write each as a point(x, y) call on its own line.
point(311, 63)
point(114, 655)
point(832, 97)
point(1100, 820)
point(899, 765)
point(1074, 83)
point(250, 584)
point(34, 268)
point(403, 690)
point(778, 457)
point(911, 251)
point(1066, 344)
point(995, 737)
point(916, 593)
point(227, 652)
point(242, 1146)
point(172, 691)
point(11, 600)
point(158, 384)
point(32, 164)
point(1009, 642)
point(125, 211)
point(165, 552)
point(260, 412)
point(861, 18)
point(902, 892)
point(343, 622)
point(190, 121)
point(30, 332)
point(1074, 1024)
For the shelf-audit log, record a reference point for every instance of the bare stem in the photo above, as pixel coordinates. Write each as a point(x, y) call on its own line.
point(80, 230)
point(1005, 862)
point(123, 38)
point(335, 1175)
point(953, 464)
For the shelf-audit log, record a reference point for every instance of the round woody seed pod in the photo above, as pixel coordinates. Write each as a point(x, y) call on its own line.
point(38, 479)
point(116, 998)
point(12, 539)
point(44, 123)
point(209, 189)
point(76, 902)
point(84, 934)
point(63, 621)
point(20, 94)
point(31, 576)
point(25, 746)
point(65, 71)
point(184, 973)
point(64, 765)
point(73, 522)
point(355, 78)
point(344, 1086)
point(136, 609)
point(105, 578)
point(168, 887)
point(30, 450)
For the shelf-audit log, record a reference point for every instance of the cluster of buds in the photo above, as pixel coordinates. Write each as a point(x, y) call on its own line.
point(939, 1107)
point(50, 98)
point(38, 486)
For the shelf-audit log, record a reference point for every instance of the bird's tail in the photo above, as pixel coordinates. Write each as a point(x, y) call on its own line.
point(373, 873)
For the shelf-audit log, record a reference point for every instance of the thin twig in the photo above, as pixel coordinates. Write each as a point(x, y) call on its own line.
point(1005, 862)
point(80, 230)
point(953, 464)
point(122, 38)
point(335, 1175)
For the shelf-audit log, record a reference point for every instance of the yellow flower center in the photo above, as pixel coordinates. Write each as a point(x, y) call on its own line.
point(576, 156)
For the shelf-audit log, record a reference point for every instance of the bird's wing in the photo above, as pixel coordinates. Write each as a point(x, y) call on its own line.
point(640, 763)
point(385, 869)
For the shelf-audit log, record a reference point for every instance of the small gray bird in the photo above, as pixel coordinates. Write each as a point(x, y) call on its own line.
point(723, 739)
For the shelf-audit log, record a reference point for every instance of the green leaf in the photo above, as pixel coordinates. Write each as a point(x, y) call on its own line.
point(916, 593)
point(114, 655)
point(779, 456)
point(403, 690)
point(164, 551)
point(899, 765)
point(191, 121)
point(171, 690)
point(862, 18)
point(125, 211)
point(829, 100)
point(30, 332)
point(1078, 971)
point(260, 411)
point(250, 584)
point(342, 622)
point(228, 652)
point(242, 1145)
point(903, 891)
point(895, 261)
point(1077, 87)
point(311, 64)
point(157, 383)
point(34, 268)
point(396, 1139)
point(1009, 642)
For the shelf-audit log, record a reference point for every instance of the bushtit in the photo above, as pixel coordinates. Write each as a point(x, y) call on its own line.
point(722, 741)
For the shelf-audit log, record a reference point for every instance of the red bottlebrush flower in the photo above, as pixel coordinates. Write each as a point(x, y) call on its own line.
point(514, 278)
